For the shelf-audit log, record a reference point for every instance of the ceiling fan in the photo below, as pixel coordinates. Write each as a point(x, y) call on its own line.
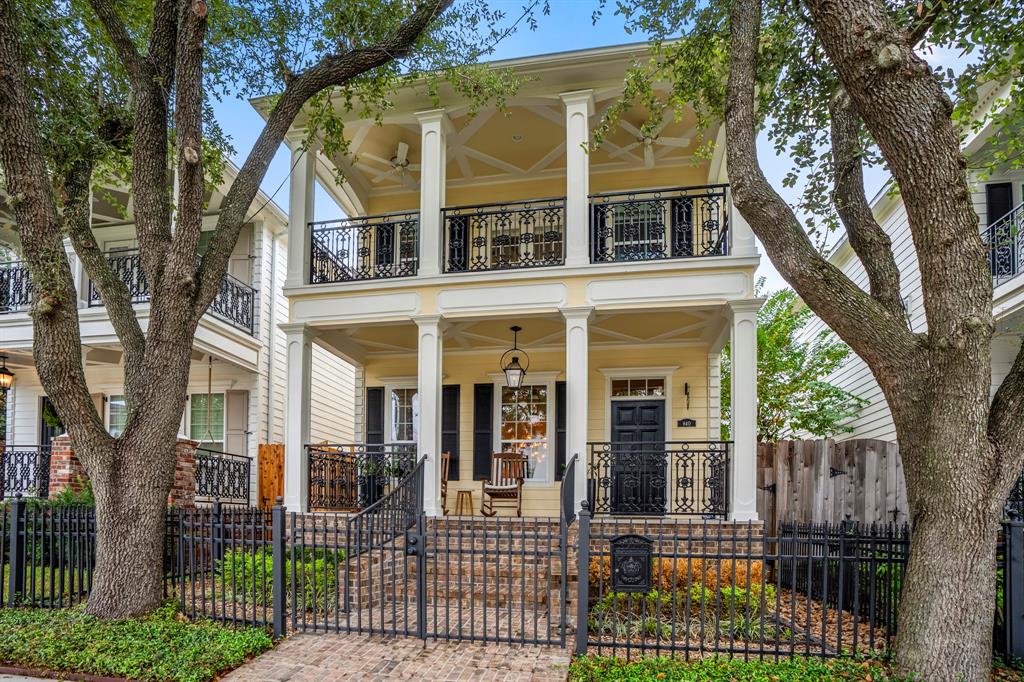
point(400, 167)
point(649, 142)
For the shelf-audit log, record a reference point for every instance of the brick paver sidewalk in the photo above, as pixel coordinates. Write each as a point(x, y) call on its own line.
point(337, 657)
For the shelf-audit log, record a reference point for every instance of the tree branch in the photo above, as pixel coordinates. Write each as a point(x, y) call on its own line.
point(875, 333)
point(331, 71)
point(1004, 420)
point(123, 44)
point(871, 243)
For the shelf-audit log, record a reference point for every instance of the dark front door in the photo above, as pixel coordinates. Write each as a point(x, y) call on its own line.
point(638, 465)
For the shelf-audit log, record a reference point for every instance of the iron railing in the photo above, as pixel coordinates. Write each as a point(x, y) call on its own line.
point(353, 476)
point(367, 247)
point(677, 222)
point(1005, 239)
point(508, 236)
point(222, 476)
point(15, 286)
point(235, 302)
point(676, 478)
point(24, 470)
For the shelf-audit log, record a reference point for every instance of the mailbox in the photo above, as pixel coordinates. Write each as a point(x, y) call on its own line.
point(632, 563)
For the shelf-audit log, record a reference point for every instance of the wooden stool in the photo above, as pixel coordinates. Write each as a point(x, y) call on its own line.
point(465, 497)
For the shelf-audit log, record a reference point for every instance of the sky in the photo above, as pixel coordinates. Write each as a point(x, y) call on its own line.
point(568, 27)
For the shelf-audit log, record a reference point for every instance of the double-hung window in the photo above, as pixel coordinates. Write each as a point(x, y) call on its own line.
point(525, 425)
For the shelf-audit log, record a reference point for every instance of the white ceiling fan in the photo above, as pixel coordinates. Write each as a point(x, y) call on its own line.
point(400, 167)
point(649, 142)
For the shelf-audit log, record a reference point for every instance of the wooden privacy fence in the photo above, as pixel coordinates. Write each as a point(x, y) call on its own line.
point(270, 458)
point(822, 481)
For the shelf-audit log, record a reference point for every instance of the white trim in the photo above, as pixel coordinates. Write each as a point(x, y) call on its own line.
point(610, 373)
point(531, 377)
point(551, 441)
point(389, 426)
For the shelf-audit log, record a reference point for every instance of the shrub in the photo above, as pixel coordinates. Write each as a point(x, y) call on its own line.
point(598, 669)
point(679, 574)
point(249, 576)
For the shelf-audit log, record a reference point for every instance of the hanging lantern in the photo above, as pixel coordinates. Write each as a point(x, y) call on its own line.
point(6, 375)
point(511, 365)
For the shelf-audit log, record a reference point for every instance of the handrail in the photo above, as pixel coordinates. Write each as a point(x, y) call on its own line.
point(657, 190)
point(1005, 239)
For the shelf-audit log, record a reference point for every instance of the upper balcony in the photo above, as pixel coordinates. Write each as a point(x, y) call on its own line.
point(1005, 238)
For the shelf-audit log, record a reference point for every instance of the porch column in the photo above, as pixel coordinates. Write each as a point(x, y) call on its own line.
point(300, 211)
point(429, 377)
point(743, 465)
point(579, 107)
point(743, 243)
point(433, 147)
point(577, 374)
point(299, 342)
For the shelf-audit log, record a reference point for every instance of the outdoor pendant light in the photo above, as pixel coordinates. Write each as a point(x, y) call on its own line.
point(6, 375)
point(510, 365)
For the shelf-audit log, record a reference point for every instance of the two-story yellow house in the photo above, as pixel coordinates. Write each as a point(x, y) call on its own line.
point(616, 275)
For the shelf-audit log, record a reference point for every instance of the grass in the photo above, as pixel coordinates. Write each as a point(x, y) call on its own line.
point(597, 669)
point(161, 647)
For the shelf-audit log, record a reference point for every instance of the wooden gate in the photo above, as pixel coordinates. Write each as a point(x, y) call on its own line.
point(271, 474)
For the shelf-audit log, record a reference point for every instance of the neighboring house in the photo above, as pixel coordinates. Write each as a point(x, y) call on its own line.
point(626, 268)
point(238, 357)
point(998, 198)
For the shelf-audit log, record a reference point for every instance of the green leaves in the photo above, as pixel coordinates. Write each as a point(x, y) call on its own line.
point(793, 394)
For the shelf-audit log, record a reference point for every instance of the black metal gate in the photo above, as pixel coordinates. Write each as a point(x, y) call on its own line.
point(390, 570)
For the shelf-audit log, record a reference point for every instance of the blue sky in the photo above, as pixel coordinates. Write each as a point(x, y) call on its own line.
point(569, 27)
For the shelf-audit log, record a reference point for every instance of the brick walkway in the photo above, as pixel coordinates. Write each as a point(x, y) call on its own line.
point(338, 657)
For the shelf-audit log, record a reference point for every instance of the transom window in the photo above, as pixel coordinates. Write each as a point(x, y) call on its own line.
point(405, 415)
point(638, 388)
point(524, 427)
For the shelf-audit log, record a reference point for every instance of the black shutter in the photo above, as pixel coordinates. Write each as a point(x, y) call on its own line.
point(483, 426)
point(375, 415)
point(450, 427)
point(998, 200)
point(682, 227)
point(559, 429)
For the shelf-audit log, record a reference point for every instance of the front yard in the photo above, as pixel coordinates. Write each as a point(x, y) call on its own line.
point(162, 647)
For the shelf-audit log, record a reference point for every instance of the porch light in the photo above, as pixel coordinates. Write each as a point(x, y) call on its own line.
point(510, 365)
point(6, 375)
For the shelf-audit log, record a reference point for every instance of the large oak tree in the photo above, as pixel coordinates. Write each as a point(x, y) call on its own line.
point(89, 88)
point(838, 84)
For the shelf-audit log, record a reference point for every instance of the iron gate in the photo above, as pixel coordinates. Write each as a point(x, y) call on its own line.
point(390, 570)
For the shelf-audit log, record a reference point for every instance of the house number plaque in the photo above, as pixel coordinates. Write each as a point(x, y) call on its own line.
point(631, 563)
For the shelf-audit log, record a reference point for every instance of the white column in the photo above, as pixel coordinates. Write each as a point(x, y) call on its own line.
point(300, 212)
point(743, 243)
point(433, 148)
point(743, 468)
point(428, 441)
point(579, 106)
point(299, 344)
point(577, 375)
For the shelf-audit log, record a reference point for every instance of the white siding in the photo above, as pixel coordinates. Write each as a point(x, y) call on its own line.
point(332, 396)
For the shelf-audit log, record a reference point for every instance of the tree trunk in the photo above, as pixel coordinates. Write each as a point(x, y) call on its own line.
point(131, 508)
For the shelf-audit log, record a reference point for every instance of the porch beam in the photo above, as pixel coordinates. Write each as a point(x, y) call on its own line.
point(429, 379)
point(743, 464)
point(299, 344)
point(579, 106)
point(577, 374)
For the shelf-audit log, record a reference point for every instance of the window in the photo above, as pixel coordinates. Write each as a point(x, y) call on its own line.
point(405, 415)
point(524, 427)
point(638, 388)
point(209, 434)
point(117, 415)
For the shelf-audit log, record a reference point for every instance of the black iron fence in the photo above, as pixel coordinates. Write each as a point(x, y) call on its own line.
point(15, 286)
point(508, 236)
point(353, 476)
point(1005, 239)
point(222, 476)
point(24, 470)
point(368, 247)
point(677, 222)
point(235, 302)
point(677, 478)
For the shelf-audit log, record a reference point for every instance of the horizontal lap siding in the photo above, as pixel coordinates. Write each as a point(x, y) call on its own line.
point(332, 398)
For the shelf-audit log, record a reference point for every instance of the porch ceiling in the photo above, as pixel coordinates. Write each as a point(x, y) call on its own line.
point(693, 327)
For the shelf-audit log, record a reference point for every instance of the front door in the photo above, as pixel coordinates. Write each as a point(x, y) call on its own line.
point(638, 466)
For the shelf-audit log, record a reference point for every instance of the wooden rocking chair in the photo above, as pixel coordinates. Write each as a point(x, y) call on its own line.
point(446, 463)
point(508, 470)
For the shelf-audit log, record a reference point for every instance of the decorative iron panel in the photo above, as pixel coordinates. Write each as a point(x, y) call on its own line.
point(676, 478)
point(1005, 238)
point(222, 476)
point(24, 469)
point(127, 265)
point(522, 234)
point(678, 222)
point(353, 476)
point(15, 287)
point(368, 247)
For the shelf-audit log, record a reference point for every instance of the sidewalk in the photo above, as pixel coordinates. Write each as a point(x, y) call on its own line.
point(338, 657)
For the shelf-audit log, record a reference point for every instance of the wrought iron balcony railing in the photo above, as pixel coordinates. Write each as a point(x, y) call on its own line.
point(676, 478)
point(222, 477)
point(678, 222)
point(370, 247)
point(235, 302)
point(522, 234)
point(15, 287)
point(24, 469)
point(1005, 239)
point(352, 476)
